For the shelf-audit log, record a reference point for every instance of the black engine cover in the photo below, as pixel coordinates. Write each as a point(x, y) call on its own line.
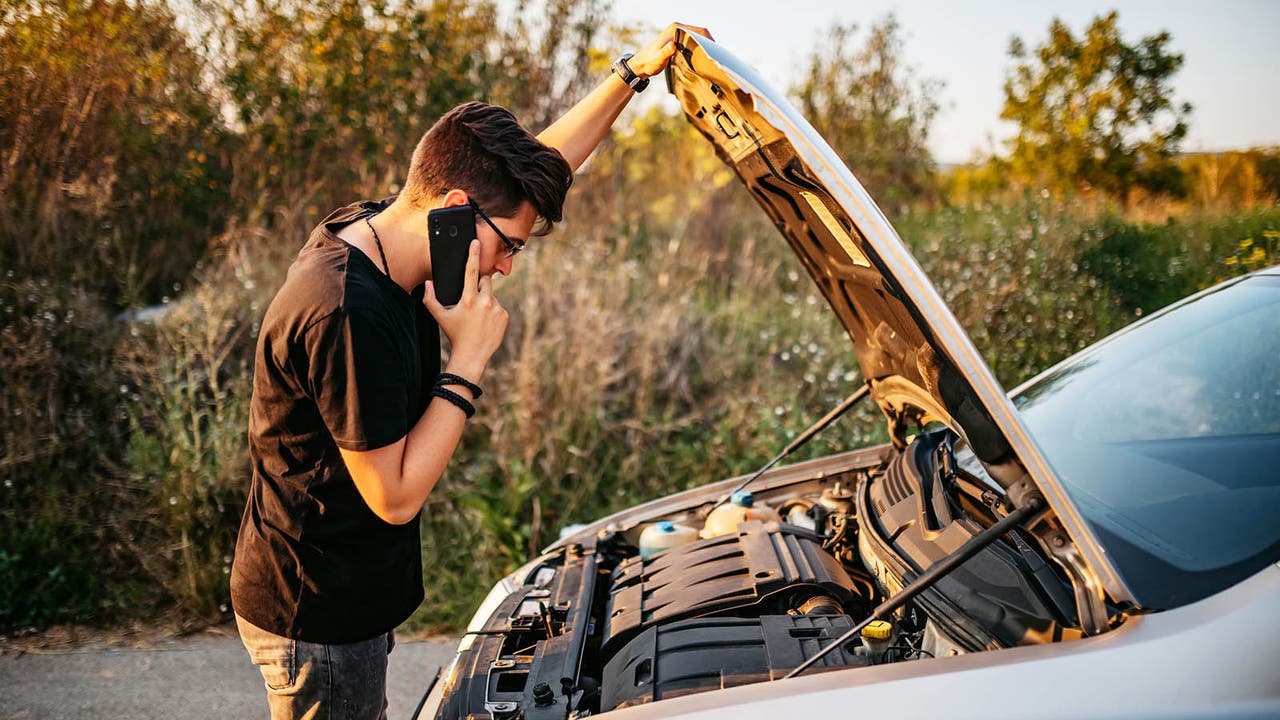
point(726, 573)
point(695, 655)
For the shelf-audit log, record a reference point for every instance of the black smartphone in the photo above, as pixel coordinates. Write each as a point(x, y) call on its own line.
point(451, 231)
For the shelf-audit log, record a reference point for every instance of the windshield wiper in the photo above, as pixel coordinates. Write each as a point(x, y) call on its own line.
point(803, 438)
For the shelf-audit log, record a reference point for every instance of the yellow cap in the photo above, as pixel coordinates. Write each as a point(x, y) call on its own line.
point(877, 630)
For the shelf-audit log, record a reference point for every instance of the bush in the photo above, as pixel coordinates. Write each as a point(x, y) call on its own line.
point(60, 405)
point(1012, 275)
point(1147, 266)
point(114, 174)
point(187, 461)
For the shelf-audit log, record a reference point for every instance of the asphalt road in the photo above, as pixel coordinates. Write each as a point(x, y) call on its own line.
point(197, 678)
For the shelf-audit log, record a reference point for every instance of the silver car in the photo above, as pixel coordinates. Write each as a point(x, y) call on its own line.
point(1103, 542)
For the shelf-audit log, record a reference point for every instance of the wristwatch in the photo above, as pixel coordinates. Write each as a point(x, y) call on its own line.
point(634, 81)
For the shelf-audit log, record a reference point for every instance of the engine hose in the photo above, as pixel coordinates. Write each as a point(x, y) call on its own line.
point(820, 605)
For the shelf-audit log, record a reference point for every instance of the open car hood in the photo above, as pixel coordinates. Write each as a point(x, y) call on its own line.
point(919, 363)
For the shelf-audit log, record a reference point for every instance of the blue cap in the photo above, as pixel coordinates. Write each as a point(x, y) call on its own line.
point(666, 526)
point(745, 498)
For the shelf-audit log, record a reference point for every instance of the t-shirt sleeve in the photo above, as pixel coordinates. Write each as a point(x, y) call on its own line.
point(357, 376)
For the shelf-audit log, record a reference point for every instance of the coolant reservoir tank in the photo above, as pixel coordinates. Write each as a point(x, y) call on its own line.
point(742, 506)
point(664, 534)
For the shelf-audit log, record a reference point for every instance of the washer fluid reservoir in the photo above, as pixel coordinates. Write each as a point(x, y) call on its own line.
point(742, 506)
point(664, 534)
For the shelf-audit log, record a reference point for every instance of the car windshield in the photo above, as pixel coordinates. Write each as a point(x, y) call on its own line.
point(1167, 437)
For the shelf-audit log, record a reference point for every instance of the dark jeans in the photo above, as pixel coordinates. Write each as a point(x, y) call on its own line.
point(320, 682)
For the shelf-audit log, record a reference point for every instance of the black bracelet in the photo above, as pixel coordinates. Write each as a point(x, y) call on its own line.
point(451, 379)
point(453, 397)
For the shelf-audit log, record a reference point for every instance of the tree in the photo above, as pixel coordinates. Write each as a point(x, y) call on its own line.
point(1095, 111)
point(549, 58)
point(112, 176)
point(863, 101)
point(331, 97)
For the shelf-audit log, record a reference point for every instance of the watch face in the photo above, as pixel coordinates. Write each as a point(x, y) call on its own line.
point(624, 71)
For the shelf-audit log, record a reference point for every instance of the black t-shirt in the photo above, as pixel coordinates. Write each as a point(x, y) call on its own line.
point(345, 359)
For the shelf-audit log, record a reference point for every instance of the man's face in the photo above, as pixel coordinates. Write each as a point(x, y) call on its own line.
point(493, 252)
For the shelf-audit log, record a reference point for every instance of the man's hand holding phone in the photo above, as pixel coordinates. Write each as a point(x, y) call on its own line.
point(476, 325)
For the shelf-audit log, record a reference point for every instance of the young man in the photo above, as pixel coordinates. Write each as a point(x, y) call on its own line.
point(352, 423)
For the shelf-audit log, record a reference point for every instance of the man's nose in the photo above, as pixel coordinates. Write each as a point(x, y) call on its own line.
point(503, 266)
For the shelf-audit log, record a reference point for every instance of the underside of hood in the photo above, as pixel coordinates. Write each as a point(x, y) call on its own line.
point(849, 249)
point(919, 363)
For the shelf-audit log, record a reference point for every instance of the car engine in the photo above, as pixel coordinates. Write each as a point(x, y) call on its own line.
point(722, 611)
point(607, 623)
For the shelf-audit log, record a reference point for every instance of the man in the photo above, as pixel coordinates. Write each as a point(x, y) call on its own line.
point(352, 422)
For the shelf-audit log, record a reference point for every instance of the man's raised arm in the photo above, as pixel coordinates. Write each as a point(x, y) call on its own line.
point(577, 133)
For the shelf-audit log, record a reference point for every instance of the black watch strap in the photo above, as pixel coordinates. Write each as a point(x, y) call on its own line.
point(633, 81)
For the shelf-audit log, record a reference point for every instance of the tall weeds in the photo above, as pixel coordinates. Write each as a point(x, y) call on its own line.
point(57, 453)
point(186, 460)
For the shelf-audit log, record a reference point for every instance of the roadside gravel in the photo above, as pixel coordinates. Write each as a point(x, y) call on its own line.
point(201, 676)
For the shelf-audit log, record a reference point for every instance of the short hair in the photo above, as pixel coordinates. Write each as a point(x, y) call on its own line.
point(482, 149)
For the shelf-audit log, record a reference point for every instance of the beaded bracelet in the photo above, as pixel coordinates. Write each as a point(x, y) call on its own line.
point(453, 397)
point(445, 378)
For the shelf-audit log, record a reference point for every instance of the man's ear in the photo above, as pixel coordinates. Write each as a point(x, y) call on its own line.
point(454, 198)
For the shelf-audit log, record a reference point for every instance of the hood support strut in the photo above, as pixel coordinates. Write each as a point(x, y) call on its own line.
point(799, 442)
point(929, 577)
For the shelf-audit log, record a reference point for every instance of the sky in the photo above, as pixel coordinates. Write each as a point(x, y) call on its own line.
point(1231, 73)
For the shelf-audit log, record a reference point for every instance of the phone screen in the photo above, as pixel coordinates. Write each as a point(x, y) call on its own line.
point(451, 231)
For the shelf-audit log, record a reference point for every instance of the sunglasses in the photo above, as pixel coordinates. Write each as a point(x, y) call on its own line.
point(512, 246)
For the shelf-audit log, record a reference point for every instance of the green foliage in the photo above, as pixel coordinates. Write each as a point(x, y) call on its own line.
point(1035, 280)
point(1143, 265)
point(868, 106)
point(334, 96)
point(1147, 266)
point(1095, 111)
point(1217, 182)
point(975, 183)
point(187, 462)
point(113, 149)
point(1255, 253)
point(59, 438)
point(1012, 275)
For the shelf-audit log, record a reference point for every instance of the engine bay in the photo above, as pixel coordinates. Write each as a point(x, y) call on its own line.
point(638, 612)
